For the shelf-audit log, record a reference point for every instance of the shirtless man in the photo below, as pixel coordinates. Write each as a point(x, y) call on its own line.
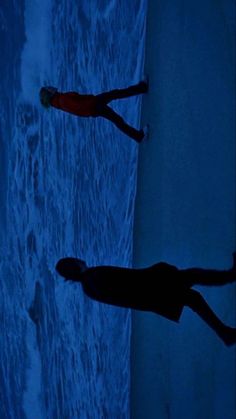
point(160, 288)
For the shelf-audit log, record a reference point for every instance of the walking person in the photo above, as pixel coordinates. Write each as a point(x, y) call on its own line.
point(88, 105)
point(161, 288)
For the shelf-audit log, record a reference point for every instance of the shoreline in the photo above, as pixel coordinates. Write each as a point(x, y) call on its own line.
point(183, 215)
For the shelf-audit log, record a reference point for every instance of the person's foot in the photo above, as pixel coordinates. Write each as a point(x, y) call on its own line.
point(145, 79)
point(144, 85)
point(146, 133)
point(234, 262)
point(139, 136)
point(232, 271)
point(143, 134)
point(229, 336)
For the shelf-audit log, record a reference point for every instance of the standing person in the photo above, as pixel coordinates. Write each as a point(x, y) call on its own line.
point(95, 105)
point(160, 288)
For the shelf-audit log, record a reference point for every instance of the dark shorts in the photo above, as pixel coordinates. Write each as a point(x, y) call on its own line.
point(169, 293)
point(99, 106)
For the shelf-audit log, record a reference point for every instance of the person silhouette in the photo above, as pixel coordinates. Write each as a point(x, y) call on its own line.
point(161, 288)
point(88, 105)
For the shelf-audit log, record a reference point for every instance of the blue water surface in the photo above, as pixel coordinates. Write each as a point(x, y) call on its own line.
point(67, 189)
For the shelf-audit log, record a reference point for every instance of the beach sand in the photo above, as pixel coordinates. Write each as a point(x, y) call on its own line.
point(185, 207)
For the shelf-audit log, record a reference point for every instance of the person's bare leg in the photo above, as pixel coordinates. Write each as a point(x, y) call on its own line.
point(108, 113)
point(198, 276)
point(197, 303)
point(136, 89)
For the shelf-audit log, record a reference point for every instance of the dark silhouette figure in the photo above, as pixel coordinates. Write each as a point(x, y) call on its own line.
point(160, 288)
point(95, 105)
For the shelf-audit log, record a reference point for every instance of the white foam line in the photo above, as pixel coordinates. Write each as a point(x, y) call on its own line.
point(32, 401)
point(35, 59)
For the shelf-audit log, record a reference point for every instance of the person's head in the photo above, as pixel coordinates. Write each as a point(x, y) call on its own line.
point(71, 268)
point(45, 94)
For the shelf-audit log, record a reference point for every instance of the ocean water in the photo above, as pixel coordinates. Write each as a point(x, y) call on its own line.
point(67, 189)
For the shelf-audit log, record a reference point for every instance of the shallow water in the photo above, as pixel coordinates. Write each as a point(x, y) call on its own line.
point(67, 189)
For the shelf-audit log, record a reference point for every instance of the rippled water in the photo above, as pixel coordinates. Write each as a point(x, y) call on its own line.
point(67, 188)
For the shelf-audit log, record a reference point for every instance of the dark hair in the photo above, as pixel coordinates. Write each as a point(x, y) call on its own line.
point(70, 268)
point(46, 94)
